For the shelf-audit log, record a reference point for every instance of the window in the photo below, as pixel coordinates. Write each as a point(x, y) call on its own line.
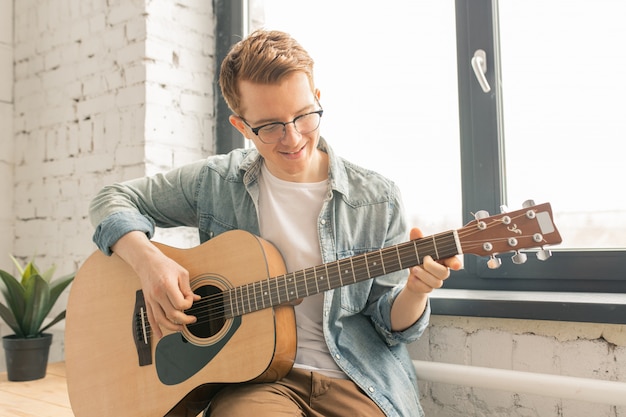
point(547, 127)
point(400, 96)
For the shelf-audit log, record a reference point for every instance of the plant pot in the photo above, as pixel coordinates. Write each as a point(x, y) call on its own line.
point(26, 359)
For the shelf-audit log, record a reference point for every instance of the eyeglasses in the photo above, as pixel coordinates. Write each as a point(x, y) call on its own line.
point(275, 131)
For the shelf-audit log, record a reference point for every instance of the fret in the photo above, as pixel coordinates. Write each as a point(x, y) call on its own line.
point(230, 302)
point(427, 247)
point(254, 300)
point(240, 310)
point(416, 255)
point(344, 268)
point(265, 293)
point(292, 294)
point(397, 248)
point(435, 248)
point(300, 278)
point(242, 299)
point(236, 299)
point(311, 281)
point(360, 268)
point(250, 297)
point(334, 275)
point(315, 278)
point(275, 293)
point(352, 270)
point(285, 291)
point(375, 264)
point(391, 262)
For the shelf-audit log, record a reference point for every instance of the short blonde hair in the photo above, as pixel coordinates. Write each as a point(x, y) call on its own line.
point(264, 57)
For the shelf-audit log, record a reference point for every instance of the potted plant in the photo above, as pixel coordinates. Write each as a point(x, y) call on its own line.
point(29, 298)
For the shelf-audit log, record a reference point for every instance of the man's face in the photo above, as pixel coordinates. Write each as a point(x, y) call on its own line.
point(294, 157)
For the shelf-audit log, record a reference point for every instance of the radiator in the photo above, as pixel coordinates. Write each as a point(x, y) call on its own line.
point(557, 386)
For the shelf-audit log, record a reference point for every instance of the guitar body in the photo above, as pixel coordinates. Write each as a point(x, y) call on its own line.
point(107, 373)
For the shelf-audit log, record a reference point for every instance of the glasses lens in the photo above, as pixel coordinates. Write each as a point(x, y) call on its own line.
point(272, 133)
point(307, 123)
point(304, 124)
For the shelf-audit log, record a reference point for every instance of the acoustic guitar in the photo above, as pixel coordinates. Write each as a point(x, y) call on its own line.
point(245, 330)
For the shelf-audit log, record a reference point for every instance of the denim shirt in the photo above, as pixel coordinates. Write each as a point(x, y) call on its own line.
point(362, 213)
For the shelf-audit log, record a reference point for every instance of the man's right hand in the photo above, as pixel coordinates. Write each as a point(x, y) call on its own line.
point(164, 282)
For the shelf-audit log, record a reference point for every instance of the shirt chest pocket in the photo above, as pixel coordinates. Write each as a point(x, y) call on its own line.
point(354, 297)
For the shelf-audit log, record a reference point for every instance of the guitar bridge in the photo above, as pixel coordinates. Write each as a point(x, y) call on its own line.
point(141, 330)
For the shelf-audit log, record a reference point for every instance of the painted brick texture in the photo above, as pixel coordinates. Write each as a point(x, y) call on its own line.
point(103, 91)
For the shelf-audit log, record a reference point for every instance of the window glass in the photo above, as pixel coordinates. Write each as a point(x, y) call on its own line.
point(564, 106)
point(388, 81)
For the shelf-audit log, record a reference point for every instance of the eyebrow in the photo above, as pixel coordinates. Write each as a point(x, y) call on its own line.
point(298, 113)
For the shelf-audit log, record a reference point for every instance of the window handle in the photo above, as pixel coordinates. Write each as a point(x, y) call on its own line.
point(479, 65)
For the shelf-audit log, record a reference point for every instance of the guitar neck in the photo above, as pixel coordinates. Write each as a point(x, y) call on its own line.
point(307, 282)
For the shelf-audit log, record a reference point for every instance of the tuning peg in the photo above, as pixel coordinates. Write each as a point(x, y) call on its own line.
point(494, 263)
point(479, 215)
point(544, 254)
point(519, 258)
point(504, 208)
point(528, 203)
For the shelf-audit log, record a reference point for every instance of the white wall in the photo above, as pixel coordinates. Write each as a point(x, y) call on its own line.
point(103, 91)
point(6, 132)
point(586, 350)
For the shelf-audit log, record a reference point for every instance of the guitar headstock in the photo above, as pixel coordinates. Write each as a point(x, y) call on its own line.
point(530, 227)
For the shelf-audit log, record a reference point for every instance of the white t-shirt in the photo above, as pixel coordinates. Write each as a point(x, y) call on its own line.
point(288, 216)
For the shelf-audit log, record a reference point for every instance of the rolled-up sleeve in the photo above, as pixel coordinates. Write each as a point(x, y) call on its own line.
point(116, 225)
point(162, 200)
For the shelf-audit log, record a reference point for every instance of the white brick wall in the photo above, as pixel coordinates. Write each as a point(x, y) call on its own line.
point(103, 91)
point(587, 350)
point(6, 133)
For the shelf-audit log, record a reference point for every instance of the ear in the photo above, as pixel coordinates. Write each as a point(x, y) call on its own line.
point(238, 124)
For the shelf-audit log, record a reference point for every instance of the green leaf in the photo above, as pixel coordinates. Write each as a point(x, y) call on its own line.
point(30, 270)
point(49, 273)
point(54, 321)
point(7, 315)
point(57, 287)
point(37, 300)
point(17, 264)
point(14, 294)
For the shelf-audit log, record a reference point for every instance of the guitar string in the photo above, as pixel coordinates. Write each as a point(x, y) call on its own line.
point(360, 261)
point(214, 306)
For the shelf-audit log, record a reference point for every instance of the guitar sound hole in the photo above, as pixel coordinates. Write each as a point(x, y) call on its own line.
point(209, 312)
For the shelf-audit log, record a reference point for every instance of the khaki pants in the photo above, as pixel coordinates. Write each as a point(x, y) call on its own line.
point(301, 393)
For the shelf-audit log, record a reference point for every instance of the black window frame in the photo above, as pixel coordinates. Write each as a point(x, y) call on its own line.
point(596, 274)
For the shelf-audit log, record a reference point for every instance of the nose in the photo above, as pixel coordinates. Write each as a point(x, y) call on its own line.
point(291, 134)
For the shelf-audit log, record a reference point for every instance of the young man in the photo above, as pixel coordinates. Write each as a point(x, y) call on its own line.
point(292, 190)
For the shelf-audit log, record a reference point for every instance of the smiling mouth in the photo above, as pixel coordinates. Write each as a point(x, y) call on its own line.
point(294, 152)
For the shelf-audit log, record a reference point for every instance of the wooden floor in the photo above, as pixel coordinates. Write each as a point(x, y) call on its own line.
point(43, 397)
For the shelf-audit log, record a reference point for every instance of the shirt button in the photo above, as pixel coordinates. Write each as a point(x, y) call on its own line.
point(338, 356)
point(323, 221)
point(371, 389)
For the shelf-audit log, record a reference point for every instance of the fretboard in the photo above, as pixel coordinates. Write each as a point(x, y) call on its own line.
point(299, 284)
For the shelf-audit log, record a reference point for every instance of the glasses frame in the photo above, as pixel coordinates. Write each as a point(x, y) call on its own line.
point(256, 130)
